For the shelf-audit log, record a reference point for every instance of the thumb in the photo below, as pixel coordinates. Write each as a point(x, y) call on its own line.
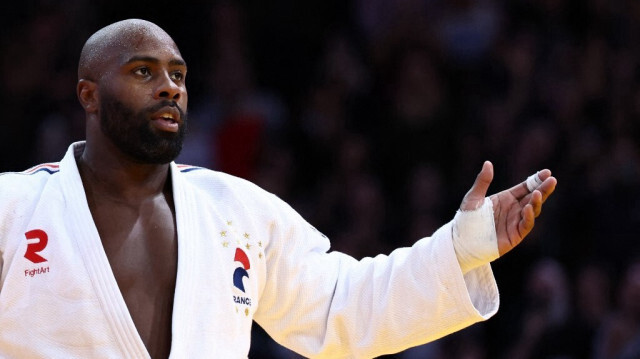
point(475, 197)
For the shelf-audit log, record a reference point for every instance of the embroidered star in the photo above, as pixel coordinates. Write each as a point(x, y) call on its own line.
point(246, 235)
point(260, 255)
point(225, 244)
point(229, 223)
point(223, 234)
point(248, 246)
point(246, 311)
point(260, 244)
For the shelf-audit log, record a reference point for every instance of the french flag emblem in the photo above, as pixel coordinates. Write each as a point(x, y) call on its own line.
point(241, 272)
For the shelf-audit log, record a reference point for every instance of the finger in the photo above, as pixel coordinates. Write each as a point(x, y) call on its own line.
point(475, 196)
point(536, 202)
point(522, 189)
point(544, 174)
point(528, 220)
point(547, 187)
point(483, 180)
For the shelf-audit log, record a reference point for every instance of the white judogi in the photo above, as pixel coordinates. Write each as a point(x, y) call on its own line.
point(243, 255)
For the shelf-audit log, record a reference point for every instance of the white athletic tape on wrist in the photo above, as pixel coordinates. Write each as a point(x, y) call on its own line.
point(533, 181)
point(474, 237)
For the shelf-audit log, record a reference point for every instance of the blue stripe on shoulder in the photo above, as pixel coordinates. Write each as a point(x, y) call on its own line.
point(51, 171)
point(189, 169)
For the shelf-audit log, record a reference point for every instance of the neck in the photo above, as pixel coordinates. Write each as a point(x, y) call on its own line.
point(113, 173)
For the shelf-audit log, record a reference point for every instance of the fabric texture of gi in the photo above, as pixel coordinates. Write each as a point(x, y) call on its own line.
point(243, 255)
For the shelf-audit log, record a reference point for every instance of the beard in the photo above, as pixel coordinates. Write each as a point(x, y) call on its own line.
point(133, 134)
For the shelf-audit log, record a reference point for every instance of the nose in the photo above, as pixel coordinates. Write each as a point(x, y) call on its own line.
point(169, 89)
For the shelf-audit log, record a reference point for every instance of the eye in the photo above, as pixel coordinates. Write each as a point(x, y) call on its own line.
point(177, 76)
point(143, 71)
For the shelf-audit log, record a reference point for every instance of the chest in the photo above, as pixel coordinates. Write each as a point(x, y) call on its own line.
point(140, 241)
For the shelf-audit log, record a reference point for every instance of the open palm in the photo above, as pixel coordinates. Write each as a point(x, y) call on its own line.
point(514, 209)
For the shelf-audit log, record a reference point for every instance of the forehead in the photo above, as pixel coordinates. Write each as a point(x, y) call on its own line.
point(114, 45)
point(146, 42)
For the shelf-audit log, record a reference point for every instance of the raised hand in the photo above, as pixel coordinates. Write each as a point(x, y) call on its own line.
point(514, 209)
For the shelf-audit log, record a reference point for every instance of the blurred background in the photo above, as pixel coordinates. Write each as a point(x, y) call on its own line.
point(372, 118)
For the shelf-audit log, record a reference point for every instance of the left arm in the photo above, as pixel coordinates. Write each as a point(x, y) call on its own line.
point(330, 305)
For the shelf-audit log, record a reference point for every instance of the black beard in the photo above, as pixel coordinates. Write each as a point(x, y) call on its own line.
point(134, 135)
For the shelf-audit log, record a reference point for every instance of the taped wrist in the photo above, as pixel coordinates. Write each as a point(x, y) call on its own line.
point(474, 237)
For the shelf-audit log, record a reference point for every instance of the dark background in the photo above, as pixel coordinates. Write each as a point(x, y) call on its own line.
point(372, 119)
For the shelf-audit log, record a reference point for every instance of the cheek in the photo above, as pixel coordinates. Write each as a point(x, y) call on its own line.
point(132, 95)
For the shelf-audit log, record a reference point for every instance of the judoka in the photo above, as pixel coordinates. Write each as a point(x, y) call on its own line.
point(118, 252)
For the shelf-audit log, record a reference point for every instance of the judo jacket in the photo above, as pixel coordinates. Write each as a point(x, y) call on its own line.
point(244, 255)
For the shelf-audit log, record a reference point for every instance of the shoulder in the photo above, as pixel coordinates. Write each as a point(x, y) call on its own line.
point(20, 194)
point(28, 183)
point(218, 181)
point(225, 188)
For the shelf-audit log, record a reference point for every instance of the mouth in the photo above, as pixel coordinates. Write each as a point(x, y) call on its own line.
point(167, 119)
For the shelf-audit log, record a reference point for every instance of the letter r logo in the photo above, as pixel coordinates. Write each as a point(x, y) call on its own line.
point(35, 247)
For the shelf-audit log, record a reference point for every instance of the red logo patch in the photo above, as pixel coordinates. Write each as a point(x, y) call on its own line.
point(35, 247)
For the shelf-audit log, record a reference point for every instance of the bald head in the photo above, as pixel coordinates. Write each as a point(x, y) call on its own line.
point(114, 39)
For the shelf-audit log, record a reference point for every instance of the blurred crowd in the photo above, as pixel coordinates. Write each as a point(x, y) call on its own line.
point(372, 118)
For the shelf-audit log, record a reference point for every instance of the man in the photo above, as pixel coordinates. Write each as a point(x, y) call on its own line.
point(117, 252)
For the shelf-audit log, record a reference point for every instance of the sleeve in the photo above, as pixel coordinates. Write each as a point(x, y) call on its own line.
point(328, 305)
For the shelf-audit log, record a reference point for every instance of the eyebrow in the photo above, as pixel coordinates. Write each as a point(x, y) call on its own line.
point(154, 60)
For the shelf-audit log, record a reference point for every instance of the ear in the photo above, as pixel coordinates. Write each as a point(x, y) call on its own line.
point(88, 95)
